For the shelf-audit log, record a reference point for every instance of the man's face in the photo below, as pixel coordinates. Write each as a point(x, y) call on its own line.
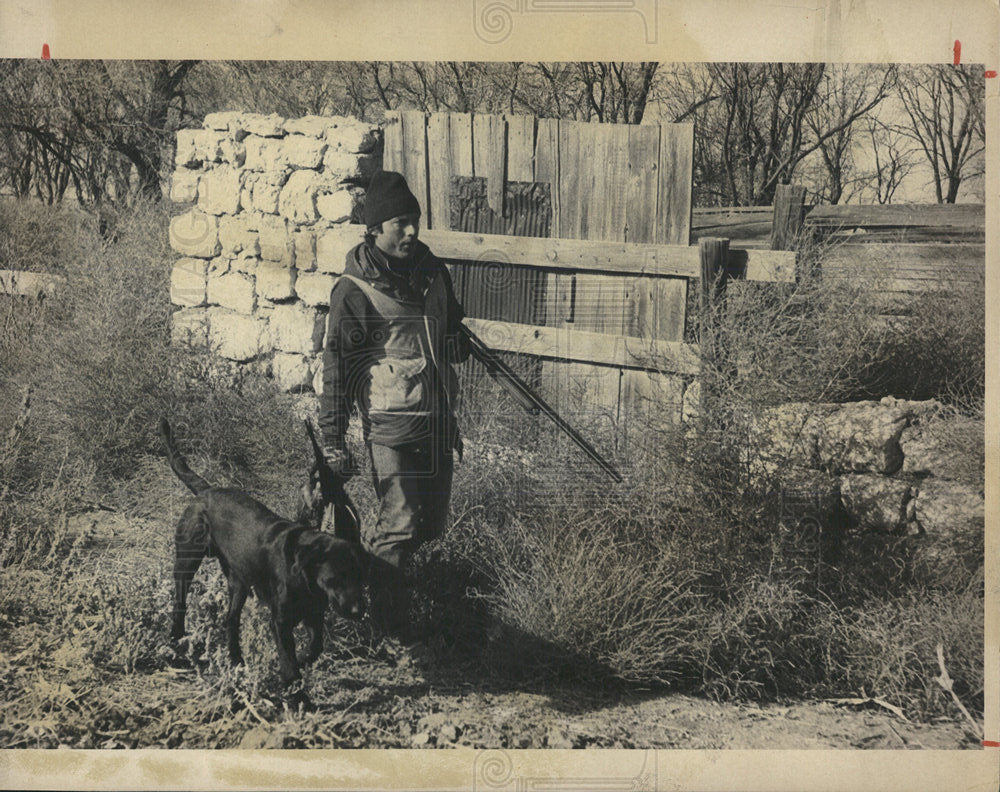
point(398, 235)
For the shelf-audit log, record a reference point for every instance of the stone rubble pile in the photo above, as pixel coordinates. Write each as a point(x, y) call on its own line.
point(267, 234)
point(891, 465)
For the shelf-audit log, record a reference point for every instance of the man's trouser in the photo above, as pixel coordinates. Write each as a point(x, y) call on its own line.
point(413, 484)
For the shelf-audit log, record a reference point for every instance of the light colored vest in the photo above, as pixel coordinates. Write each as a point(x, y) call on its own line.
point(406, 379)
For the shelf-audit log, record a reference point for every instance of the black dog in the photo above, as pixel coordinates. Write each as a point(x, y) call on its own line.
point(292, 567)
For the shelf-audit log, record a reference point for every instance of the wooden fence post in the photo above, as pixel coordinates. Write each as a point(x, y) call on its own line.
point(789, 205)
point(714, 255)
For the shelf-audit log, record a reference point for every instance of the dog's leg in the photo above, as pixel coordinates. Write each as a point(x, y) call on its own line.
point(284, 637)
point(314, 629)
point(190, 546)
point(238, 591)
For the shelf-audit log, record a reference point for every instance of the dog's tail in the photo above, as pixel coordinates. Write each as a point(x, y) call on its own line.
point(179, 465)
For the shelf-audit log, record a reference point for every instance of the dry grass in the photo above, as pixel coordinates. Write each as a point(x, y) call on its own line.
point(684, 576)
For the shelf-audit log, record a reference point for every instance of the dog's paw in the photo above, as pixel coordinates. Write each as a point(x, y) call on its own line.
point(295, 699)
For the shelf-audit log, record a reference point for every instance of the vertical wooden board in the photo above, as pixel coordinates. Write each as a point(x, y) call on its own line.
point(547, 163)
point(650, 400)
point(640, 217)
point(670, 297)
point(415, 154)
point(392, 151)
point(641, 187)
point(439, 170)
point(489, 154)
point(461, 143)
point(520, 148)
point(673, 222)
point(570, 184)
point(674, 193)
point(558, 309)
point(604, 164)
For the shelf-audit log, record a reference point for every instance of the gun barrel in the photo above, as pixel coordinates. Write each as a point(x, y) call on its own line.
point(531, 401)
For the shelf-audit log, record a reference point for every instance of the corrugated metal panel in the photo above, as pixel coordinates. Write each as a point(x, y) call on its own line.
point(491, 289)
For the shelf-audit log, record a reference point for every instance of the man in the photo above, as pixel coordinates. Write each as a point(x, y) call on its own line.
point(392, 335)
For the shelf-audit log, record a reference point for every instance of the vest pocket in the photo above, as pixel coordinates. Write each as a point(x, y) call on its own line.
point(397, 384)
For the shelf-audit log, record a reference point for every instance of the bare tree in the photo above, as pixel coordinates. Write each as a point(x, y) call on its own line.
point(945, 108)
point(845, 95)
point(757, 123)
point(893, 159)
point(104, 127)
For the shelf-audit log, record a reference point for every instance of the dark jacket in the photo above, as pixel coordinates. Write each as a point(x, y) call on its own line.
point(392, 360)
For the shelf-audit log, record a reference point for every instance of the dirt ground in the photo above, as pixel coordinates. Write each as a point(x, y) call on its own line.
point(409, 706)
point(366, 696)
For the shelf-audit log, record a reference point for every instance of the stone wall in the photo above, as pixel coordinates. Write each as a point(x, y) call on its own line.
point(266, 235)
point(893, 465)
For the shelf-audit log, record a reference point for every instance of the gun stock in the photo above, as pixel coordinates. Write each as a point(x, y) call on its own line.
point(346, 523)
point(529, 400)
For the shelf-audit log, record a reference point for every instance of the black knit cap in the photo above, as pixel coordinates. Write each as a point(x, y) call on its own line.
point(388, 196)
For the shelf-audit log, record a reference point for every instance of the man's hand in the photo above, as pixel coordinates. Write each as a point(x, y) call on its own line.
point(340, 460)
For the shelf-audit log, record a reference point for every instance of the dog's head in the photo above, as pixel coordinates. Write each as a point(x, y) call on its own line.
point(333, 567)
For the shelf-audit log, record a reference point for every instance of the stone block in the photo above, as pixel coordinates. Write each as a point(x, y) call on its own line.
point(297, 202)
point(224, 121)
point(301, 152)
point(336, 207)
point(339, 166)
point(245, 262)
point(275, 282)
point(862, 437)
point(262, 154)
point(874, 501)
point(296, 328)
point(189, 327)
point(314, 288)
point(184, 186)
point(786, 436)
point(265, 195)
point(949, 507)
point(353, 137)
point(188, 282)
point(333, 246)
point(304, 248)
point(220, 265)
point(234, 152)
point(198, 146)
point(266, 126)
point(237, 337)
point(274, 239)
point(291, 372)
point(219, 191)
point(234, 291)
point(310, 125)
point(236, 236)
point(196, 234)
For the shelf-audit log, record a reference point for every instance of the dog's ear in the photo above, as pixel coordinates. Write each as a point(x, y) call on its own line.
point(304, 551)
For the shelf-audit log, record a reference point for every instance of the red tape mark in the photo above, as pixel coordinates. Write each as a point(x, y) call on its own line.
point(991, 744)
point(45, 52)
point(990, 73)
point(958, 52)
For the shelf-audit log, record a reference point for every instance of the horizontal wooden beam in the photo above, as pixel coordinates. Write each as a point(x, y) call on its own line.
point(613, 258)
point(580, 346)
point(965, 216)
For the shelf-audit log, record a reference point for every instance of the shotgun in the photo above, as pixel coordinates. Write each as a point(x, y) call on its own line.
point(522, 393)
point(346, 523)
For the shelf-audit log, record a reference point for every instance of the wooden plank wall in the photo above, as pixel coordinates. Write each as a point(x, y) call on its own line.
point(608, 182)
